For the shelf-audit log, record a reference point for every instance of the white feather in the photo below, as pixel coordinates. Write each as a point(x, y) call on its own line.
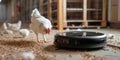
point(28, 56)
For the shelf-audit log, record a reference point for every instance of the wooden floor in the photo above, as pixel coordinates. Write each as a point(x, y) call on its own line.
point(12, 46)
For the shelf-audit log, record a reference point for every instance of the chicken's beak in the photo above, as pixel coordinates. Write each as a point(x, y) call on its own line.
point(48, 31)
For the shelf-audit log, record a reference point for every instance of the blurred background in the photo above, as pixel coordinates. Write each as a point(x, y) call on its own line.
point(64, 13)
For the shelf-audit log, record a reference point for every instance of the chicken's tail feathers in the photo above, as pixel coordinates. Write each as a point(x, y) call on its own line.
point(35, 13)
point(32, 12)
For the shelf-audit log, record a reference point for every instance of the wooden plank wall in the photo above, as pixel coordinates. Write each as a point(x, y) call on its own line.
point(104, 13)
point(114, 8)
point(114, 13)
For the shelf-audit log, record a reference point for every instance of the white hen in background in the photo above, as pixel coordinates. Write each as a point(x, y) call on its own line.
point(15, 26)
point(5, 29)
point(24, 32)
point(111, 36)
point(40, 24)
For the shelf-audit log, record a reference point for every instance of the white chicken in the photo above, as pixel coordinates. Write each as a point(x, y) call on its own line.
point(15, 26)
point(111, 36)
point(40, 24)
point(5, 29)
point(24, 32)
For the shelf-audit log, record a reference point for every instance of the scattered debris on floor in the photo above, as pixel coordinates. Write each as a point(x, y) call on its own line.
point(12, 48)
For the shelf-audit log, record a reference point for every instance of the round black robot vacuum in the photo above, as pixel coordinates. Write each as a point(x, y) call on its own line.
point(80, 40)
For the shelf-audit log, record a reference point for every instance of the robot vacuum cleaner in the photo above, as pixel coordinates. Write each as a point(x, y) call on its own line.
point(80, 40)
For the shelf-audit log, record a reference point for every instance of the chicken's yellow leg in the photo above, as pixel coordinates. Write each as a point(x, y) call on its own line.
point(44, 37)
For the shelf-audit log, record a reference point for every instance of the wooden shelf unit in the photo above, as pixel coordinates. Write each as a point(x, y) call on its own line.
point(79, 13)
